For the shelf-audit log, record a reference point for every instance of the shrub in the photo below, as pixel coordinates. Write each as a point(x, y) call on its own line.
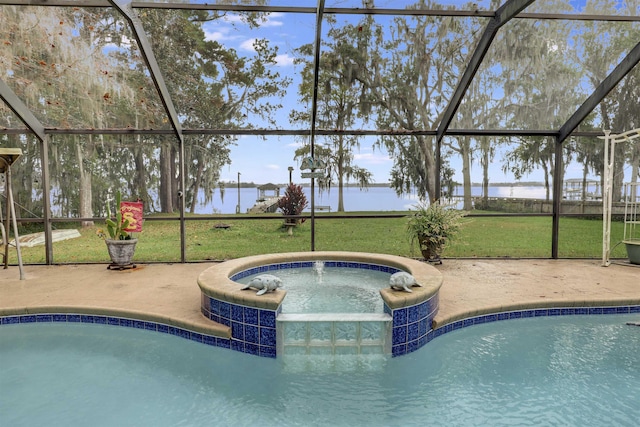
point(293, 202)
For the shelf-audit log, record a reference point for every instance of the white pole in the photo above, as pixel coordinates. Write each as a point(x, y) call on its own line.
point(606, 200)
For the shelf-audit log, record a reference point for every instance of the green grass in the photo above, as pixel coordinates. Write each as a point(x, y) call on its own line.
point(496, 237)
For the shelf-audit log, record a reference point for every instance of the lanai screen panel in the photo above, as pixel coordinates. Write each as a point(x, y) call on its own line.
point(229, 70)
point(538, 72)
point(77, 68)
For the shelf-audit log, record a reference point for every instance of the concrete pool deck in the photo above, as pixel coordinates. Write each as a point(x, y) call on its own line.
point(169, 293)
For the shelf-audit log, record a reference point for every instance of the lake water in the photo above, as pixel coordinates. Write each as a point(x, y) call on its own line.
point(375, 199)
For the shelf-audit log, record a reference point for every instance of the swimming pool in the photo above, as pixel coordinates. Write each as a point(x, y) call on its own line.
point(568, 370)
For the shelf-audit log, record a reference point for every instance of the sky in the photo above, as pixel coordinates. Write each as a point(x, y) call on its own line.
point(262, 160)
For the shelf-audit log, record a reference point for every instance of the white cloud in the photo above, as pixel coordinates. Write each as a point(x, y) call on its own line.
point(272, 20)
point(371, 158)
point(273, 167)
point(284, 60)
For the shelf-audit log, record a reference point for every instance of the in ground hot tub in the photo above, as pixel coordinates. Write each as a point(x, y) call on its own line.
point(259, 326)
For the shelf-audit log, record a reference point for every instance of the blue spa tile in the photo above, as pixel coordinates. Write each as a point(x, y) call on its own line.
point(223, 342)
point(466, 322)
point(555, 312)
point(438, 332)
point(515, 315)
point(567, 311)
point(225, 310)
point(173, 330)
point(273, 267)
point(595, 310)
point(268, 337)
point(490, 318)
point(449, 327)
point(196, 337)
point(163, 328)
point(237, 331)
point(479, 320)
point(399, 335)
point(387, 310)
point(527, 313)
point(209, 340)
point(86, 318)
point(251, 334)
point(224, 321)
point(113, 321)
point(295, 265)
point(214, 306)
point(182, 333)
point(10, 320)
point(237, 313)
point(423, 341)
point(128, 323)
point(44, 318)
point(252, 349)
point(622, 310)
point(59, 318)
point(400, 317)
point(413, 346)
point(267, 318)
point(31, 318)
point(423, 310)
point(423, 325)
point(541, 312)
point(608, 310)
point(102, 320)
point(413, 314)
point(503, 316)
point(582, 310)
point(250, 316)
point(459, 324)
point(237, 345)
point(268, 352)
point(413, 332)
point(634, 309)
point(399, 350)
point(215, 318)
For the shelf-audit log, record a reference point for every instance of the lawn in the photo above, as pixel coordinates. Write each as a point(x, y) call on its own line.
point(495, 237)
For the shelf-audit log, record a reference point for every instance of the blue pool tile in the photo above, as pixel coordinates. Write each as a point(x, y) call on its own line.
point(86, 319)
point(634, 309)
point(251, 334)
point(515, 315)
point(163, 328)
point(196, 337)
point(102, 320)
point(44, 318)
point(622, 310)
point(423, 325)
point(224, 321)
point(173, 330)
point(138, 324)
point(209, 340)
point(251, 316)
point(567, 311)
point(540, 312)
point(609, 310)
point(126, 323)
point(267, 318)
point(527, 313)
point(582, 310)
point(59, 317)
point(399, 335)
point(595, 310)
point(10, 320)
point(466, 322)
point(268, 337)
point(423, 309)
point(503, 316)
point(182, 333)
point(413, 346)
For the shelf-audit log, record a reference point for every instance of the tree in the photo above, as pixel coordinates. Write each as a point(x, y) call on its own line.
point(338, 107)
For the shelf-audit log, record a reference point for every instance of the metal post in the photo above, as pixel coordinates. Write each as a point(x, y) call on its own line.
point(290, 176)
point(238, 205)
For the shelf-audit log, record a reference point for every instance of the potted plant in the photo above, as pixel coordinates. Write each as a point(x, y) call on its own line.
point(292, 203)
point(120, 243)
point(431, 227)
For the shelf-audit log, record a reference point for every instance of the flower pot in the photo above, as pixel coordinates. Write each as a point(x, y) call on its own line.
point(121, 251)
point(633, 251)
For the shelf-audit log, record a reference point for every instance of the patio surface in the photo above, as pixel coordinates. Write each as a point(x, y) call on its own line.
point(169, 293)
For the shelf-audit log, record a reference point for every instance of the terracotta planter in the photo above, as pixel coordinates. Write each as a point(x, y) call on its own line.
point(121, 251)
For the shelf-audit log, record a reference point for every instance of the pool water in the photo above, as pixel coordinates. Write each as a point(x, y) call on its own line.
point(330, 289)
point(570, 370)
